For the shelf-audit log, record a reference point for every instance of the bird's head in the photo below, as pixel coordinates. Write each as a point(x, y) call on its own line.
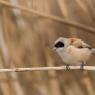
point(61, 43)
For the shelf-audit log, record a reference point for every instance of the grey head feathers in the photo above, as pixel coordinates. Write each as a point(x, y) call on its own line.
point(61, 42)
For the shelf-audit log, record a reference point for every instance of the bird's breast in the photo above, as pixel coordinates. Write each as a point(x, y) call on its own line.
point(74, 55)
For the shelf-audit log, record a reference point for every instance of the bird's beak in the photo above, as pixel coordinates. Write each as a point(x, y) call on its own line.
point(54, 48)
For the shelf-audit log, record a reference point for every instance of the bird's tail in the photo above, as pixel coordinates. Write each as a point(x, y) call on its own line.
point(93, 50)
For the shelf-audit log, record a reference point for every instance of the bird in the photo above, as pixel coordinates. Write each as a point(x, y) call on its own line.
point(73, 51)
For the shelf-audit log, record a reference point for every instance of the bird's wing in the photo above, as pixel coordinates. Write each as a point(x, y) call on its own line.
point(87, 46)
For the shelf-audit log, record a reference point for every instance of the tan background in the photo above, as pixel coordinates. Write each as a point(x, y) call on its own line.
point(27, 39)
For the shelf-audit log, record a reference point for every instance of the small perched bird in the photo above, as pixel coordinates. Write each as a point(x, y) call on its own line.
point(73, 51)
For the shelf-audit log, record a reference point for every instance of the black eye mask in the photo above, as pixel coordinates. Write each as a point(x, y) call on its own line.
point(59, 45)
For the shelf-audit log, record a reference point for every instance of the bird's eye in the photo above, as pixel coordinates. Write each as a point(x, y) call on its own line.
point(59, 45)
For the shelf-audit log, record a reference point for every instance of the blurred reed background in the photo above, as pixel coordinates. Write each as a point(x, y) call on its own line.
point(26, 40)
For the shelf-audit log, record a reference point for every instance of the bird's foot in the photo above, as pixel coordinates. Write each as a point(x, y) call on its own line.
point(67, 67)
point(82, 66)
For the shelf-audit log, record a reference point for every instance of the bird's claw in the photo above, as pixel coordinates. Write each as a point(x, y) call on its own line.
point(67, 67)
point(82, 67)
